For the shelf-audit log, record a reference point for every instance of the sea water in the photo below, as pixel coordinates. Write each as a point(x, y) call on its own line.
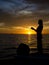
point(9, 42)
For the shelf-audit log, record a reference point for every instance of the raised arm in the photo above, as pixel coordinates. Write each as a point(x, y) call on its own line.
point(33, 29)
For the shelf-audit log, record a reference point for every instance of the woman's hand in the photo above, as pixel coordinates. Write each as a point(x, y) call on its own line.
point(32, 28)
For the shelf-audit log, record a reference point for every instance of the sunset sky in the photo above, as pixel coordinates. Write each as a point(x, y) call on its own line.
point(18, 16)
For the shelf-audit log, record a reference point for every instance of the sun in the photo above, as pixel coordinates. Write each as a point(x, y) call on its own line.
point(29, 32)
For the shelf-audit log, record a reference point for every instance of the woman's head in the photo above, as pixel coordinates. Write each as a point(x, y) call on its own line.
point(40, 22)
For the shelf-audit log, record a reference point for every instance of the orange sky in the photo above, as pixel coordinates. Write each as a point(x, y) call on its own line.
point(16, 17)
point(22, 24)
point(20, 30)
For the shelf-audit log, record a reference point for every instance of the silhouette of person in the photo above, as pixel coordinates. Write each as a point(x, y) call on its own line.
point(23, 50)
point(39, 35)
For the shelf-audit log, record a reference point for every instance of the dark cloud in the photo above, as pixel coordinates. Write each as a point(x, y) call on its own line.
point(11, 20)
point(38, 1)
point(6, 0)
point(9, 13)
point(12, 1)
point(12, 5)
point(41, 4)
point(6, 18)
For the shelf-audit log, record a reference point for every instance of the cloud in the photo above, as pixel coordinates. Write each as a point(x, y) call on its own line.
point(10, 20)
point(40, 4)
point(15, 6)
point(46, 25)
point(18, 13)
point(2, 24)
point(38, 1)
point(21, 28)
point(25, 12)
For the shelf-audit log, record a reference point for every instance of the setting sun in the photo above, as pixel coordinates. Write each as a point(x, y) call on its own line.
point(29, 32)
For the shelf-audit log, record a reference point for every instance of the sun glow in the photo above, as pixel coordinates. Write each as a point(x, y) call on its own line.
point(29, 32)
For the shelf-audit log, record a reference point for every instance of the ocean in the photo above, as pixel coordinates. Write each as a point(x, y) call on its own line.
point(31, 41)
point(9, 42)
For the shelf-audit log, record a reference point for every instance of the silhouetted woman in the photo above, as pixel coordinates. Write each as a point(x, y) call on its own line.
point(39, 35)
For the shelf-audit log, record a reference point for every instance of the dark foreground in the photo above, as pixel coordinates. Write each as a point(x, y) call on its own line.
point(23, 60)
